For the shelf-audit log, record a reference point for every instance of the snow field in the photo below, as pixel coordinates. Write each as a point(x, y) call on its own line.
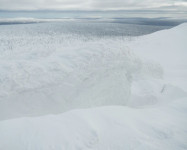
point(45, 73)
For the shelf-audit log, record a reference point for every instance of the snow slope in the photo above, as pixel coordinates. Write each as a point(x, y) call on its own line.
point(45, 70)
point(111, 128)
point(168, 48)
point(78, 73)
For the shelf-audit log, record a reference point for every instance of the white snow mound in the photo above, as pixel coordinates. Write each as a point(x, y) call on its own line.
point(45, 72)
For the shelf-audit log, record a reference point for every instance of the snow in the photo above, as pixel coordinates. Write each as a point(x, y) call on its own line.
point(53, 76)
point(112, 127)
point(168, 49)
point(156, 48)
point(42, 73)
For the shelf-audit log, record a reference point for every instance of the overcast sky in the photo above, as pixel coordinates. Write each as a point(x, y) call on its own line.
point(179, 5)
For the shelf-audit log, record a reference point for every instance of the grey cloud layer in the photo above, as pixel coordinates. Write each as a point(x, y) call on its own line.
point(93, 4)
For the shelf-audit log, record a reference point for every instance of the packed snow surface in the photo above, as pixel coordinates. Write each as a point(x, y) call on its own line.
point(45, 72)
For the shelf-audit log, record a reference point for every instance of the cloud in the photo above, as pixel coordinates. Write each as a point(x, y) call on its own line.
point(92, 4)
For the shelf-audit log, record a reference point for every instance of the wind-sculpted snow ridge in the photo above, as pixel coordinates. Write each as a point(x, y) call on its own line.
point(44, 71)
point(48, 72)
point(168, 49)
point(112, 128)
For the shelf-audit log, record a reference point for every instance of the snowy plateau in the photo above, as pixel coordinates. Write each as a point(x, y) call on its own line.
point(62, 91)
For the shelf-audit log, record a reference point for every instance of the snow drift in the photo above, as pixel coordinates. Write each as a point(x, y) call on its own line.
point(43, 73)
point(112, 128)
point(51, 73)
point(85, 75)
point(167, 48)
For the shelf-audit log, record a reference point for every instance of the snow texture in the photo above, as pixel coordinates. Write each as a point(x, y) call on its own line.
point(43, 74)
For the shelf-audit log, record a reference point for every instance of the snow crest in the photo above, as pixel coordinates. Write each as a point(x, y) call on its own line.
point(45, 71)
